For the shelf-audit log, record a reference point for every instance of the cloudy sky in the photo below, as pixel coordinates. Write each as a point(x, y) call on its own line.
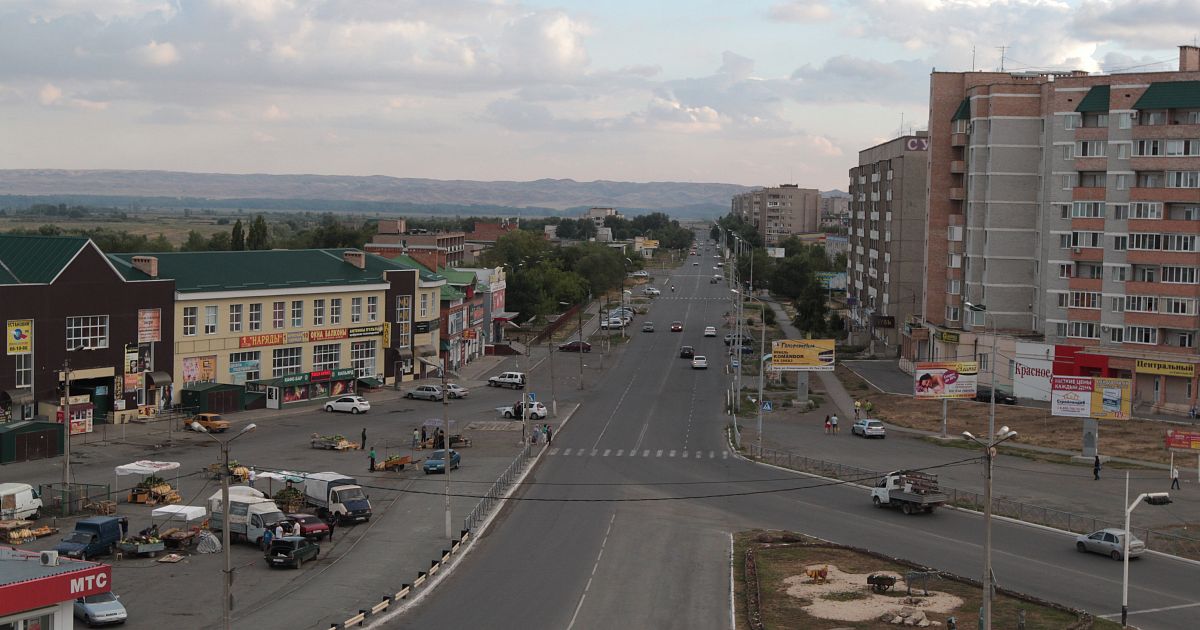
point(740, 91)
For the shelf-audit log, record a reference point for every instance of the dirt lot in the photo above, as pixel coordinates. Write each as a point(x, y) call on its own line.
point(791, 599)
point(1135, 439)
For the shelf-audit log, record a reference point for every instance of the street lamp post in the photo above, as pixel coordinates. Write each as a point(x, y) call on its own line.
point(989, 454)
point(762, 366)
point(1151, 498)
point(227, 594)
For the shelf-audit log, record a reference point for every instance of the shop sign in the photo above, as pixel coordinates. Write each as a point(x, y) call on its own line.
point(329, 334)
point(243, 366)
point(267, 339)
point(1166, 368)
point(342, 374)
point(424, 327)
point(296, 337)
point(149, 325)
point(1183, 440)
point(319, 375)
point(948, 337)
point(802, 355)
point(199, 369)
point(64, 587)
point(1087, 397)
point(470, 334)
point(20, 336)
point(883, 321)
point(295, 379)
point(131, 359)
point(366, 331)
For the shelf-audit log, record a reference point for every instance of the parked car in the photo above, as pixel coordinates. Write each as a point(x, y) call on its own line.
point(533, 411)
point(1109, 542)
point(100, 609)
point(868, 427)
point(515, 380)
point(425, 392)
point(94, 536)
point(212, 422)
point(710, 331)
point(714, 280)
point(436, 462)
point(651, 291)
point(310, 526)
point(350, 404)
point(746, 349)
point(641, 273)
point(983, 393)
point(613, 323)
point(648, 327)
point(291, 551)
point(687, 352)
point(575, 346)
point(457, 391)
point(676, 326)
point(699, 362)
point(695, 264)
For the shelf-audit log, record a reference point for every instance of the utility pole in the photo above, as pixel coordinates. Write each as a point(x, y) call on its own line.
point(553, 395)
point(581, 342)
point(67, 433)
point(446, 444)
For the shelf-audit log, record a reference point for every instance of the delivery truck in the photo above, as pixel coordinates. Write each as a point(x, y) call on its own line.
point(19, 501)
point(251, 513)
point(337, 495)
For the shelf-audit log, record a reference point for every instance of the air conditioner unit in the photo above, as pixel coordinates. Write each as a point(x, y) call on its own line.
point(49, 558)
point(1077, 250)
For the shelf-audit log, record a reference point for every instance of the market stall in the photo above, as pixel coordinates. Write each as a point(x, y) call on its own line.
point(151, 489)
point(191, 519)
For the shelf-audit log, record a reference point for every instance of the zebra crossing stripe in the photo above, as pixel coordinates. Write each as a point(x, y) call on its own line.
point(594, 451)
point(646, 453)
point(725, 455)
point(620, 451)
point(554, 451)
point(566, 451)
point(711, 454)
point(606, 452)
point(672, 454)
point(580, 453)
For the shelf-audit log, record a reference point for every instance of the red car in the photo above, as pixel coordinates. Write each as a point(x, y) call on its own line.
point(676, 326)
point(575, 346)
point(310, 526)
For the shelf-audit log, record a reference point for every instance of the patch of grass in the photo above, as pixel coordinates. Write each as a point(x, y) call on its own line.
point(846, 596)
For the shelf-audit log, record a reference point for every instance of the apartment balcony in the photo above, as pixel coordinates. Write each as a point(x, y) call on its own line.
point(1156, 257)
point(1162, 320)
point(955, 220)
point(959, 139)
point(1085, 284)
point(874, 216)
point(1164, 289)
point(1082, 193)
point(1090, 163)
point(1172, 131)
point(1165, 226)
point(959, 194)
point(1168, 195)
point(1163, 162)
point(1084, 314)
point(1091, 225)
point(1091, 133)
point(958, 166)
point(874, 273)
point(1087, 254)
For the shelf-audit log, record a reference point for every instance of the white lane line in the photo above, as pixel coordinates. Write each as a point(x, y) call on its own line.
point(672, 454)
point(615, 409)
point(1151, 610)
point(606, 452)
point(583, 595)
point(566, 451)
point(732, 606)
point(620, 452)
point(659, 453)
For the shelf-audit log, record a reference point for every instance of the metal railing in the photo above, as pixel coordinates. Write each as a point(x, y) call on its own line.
point(495, 493)
point(1157, 540)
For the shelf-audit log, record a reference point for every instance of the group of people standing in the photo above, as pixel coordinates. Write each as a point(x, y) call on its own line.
point(542, 434)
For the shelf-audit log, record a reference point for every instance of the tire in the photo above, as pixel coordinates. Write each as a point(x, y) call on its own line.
point(354, 411)
point(508, 414)
point(1115, 555)
point(328, 408)
point(409, 395)
point(906, 508)
point(876, 501)
point(299, 562)
point(1080, 547)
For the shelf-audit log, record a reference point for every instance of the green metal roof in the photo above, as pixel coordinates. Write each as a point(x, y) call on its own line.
point(964, 110)
point(411, 263)
point(458, 278)
point(1173, 95)
point(36, 259)
point(450, 293)
point(1095, 101)
point(196, 272)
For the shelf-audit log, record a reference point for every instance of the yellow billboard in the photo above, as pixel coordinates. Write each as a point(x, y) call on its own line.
point(1166, 368)
point(1089, 397)
point(802, 355)
point(20, 336)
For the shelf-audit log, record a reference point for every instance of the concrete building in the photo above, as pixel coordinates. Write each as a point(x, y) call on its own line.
point(835, 211)
point(598, 215)
point(886, 240)
point(40, 593)
point(780, 212)
point(432, 249)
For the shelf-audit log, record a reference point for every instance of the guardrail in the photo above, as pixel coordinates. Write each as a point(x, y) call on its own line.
point(496, 492)
point(1157, 540)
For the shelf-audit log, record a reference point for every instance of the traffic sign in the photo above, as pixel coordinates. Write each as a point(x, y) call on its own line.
point(532, 397)
point(766, 406)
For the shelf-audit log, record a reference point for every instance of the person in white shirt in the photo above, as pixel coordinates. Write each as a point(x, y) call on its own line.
point(278, 531)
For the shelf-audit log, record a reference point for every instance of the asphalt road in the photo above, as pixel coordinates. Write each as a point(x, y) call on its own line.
point(617, 527)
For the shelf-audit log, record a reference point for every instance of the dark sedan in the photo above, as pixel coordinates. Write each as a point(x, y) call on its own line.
point(687, 352)
point(291, 551)
point(575, 346)
point(983, 393)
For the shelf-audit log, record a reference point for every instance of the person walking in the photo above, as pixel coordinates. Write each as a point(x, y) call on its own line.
point(857, 408)
point(833, 421)
point(1096, 468)
point(251, 476)
point(267, 537)
point(416, 438)
point(424, 436)
point(332, 523)
point(372, 456)
point(828, 425)
point(549, 435)
point(364, 437)
point(1175, 478)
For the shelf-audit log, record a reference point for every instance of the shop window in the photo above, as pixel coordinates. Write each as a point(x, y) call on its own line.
point(362, 358)
point(247, 358)
point(90, 331)
point(326, 357)
point(286, 361)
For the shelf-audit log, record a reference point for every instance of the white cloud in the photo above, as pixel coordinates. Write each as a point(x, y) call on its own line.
point(274, 113)
point(83, 103)
point(256, 10)
point(802, 11)
point(1140, 24)
point(156, 54)
point(671, 115)
point(49, 94)
point(103, 10)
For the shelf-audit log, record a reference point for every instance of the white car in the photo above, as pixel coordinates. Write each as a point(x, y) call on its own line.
point(710, 331)
point(350, 404)
point(425, 392)
point(613, 322)
point(457, 391)
point(641, 274)
point(699, 362)
point(651, 291)
point(533, 411)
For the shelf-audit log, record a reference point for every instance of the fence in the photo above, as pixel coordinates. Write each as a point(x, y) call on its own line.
point(1157, 540)
point(60, 500)
point(495, 494)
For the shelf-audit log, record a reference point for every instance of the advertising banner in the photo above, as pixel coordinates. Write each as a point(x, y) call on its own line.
point(802, 355)
point(20, 336)
point(953, 379)
point(133, 364)
point(1087, 397)
point(1183, 440)
point(1032, 369)
point(149, 325)
point(200, 369)
point(1166, 368)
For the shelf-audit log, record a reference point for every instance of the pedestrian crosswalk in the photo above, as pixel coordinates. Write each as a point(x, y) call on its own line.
point(620, 452)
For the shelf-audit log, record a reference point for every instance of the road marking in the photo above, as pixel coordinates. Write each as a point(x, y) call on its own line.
point(566, 451)
point(672, 454)
point(554, 451)
point(583, 595)
point(620, 452)
point(580, 453)
point(725, 455)
point(1151, 610)
point(606, 452)
point(659, 453)
point(646, 453)
point(594, 451)
point(711, 455)
point(683, 454)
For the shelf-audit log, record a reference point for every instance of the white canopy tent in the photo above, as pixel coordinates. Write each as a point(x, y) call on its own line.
point(180, 512)
point(145, 467)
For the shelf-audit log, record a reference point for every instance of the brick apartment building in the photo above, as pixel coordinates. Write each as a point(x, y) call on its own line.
point(886, 239)
point(1069, 205)
point(432, 249)
point(780, 212)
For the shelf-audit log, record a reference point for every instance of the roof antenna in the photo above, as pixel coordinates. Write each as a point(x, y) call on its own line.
point(972, 57)
point(1002, 49)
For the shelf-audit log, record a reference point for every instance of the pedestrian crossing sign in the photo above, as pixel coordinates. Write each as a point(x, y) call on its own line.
point(532, 397)
point(766, 406)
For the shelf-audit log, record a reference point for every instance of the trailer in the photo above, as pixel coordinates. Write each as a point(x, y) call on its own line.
point(911, 491)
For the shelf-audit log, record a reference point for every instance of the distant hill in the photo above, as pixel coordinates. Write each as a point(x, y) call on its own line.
point(835, 194)
point(359, 194)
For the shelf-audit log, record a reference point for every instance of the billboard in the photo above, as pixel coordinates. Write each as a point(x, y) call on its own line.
point(802, 355)
point(834, 280)
point(951, 379)
point(20, 336)
point(1088, 397)
point(1183, 440)
point(149, 325)
point(1031, 371)
point(1165, 368)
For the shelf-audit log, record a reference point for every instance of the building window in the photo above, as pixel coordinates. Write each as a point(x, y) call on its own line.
point(355, 310)
point(1123, 150)
point(286, 361)
point(1120, 274)
point(1116, 335)
point(1068, 152)
point(210, 320)
point(277, 314)
point(24, 370)
point(1060, 329)
point(1152, 118)
point(1185, 340)
point(1087, 239)
point(1087, 210)
point(190, 317)
point(1068, 181)
point(1120, 211)
point(1178, 275)
point(326, 357)
point(297, 313)
point(335, 311)
point(403, 320)
point(1118, 305)
point(953, 286)
point(1084, 299)
point(1179, 306)
point(1121, 182)
point(1146, 210)
point(1066, 270)
point(255, 317)
point(1090, 148)
point(1120, 243)
point(247, 364)
point(362, 358)
point(1083, 330)
point(1141, 303)
point(952, 313)
point(982, 359)
point(1124, 121)
point(1064, 210)
point(424, 306)
point(319, 312)
point(235, 318)
point(1147, 148)
point(1141, 334)
point(1144, 241)
point(1070, 121)
point(1179, 242)
point(954, 233)
point(372, 308)
point(1183, 179)
point(954, 261)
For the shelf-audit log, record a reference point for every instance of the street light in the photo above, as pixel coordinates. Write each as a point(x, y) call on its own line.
point(1151, 498)
point(989, 453)
point(762, 364)
point(578, 312)
point(227, 601)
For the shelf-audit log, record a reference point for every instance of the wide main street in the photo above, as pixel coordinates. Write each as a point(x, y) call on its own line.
point(626, 521)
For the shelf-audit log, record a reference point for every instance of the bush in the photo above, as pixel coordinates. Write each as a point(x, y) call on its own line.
point(769, 316)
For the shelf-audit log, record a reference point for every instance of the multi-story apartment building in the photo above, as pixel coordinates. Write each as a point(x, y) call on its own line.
point(886, 239)
point(598, 215)
point(432, 249)
point(1069, 205)
point(780, 212)
point(835, 211)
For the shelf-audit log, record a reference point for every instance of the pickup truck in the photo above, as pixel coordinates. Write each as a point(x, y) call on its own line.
point(909, 490)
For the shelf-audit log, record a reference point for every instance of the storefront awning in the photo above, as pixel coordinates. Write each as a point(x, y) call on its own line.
point(426, 351)
point(19, 396)
point(404, 353)
point(433, 363)
point(158, 379)
point(372, 383)
point(505, 316)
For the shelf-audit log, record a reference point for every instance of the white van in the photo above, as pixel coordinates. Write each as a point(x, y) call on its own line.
point(19, 501)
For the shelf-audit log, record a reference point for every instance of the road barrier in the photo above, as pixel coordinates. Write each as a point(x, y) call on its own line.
point(496, 493)
point(1156, 540)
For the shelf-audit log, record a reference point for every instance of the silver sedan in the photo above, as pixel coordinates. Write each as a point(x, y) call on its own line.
point(1109, 542)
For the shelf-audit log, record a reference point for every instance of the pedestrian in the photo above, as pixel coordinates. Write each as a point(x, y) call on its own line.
point(296, 529)
point(549, 435)
point(833, 421)
point(416, 437)
point(1096, 468)
point(372, 456)
point(251, 476)
point(828, 426)
point(424, 436)
point(857, 408)
point(267, 537)
point(364, 437)
point(332, 522)
point(1174, 478)
point(1192, 412)
point(278, 530)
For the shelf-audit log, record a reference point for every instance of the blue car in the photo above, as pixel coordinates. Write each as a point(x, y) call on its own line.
point(436, 462)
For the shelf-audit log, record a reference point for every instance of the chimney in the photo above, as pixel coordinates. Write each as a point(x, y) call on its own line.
point(147, 265)
point(1189, 59)
point(355, 257)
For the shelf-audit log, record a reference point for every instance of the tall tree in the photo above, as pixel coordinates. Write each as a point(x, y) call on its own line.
point(237, 237)
point(195, 243)
point(259, 237)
